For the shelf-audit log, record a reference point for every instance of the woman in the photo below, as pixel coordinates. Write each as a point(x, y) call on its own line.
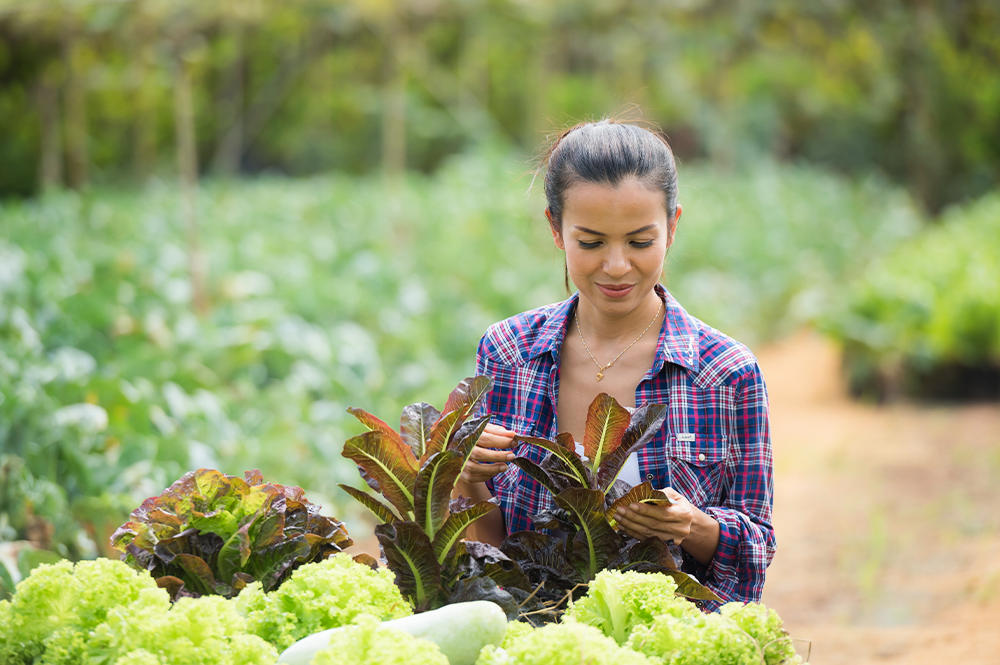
point(611, 191)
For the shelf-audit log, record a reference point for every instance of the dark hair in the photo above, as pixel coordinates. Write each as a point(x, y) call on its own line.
point(607, 153)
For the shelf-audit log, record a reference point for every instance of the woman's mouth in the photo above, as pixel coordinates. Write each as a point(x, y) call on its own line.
point(616, 290)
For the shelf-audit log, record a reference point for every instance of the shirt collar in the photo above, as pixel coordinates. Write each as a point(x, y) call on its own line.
point(678, 342)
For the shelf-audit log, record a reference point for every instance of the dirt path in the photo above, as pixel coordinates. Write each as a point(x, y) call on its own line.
point(888, 519)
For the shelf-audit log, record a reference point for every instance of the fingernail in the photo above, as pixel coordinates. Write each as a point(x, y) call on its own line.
point(510, 456)
point(621, 512)
point(634, 506)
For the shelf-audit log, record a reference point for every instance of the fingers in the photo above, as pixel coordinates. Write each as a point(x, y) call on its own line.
point(488, 456)
point(491, 454)
point(642, 531)
point(495, 436)
point(643, 521)
point(480, 473)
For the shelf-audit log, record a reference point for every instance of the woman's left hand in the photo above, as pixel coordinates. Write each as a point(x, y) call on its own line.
point(682, 522)
point(666, 522)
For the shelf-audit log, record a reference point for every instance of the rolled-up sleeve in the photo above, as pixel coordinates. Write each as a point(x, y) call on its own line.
point(746, 537)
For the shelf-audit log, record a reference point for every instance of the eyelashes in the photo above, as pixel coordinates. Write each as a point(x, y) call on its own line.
point(595, 245)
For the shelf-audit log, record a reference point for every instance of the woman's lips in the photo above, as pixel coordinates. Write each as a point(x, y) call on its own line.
point(615, 290)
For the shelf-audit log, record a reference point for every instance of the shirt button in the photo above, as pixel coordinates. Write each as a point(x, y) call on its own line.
point(649, 476)
point(701, 457)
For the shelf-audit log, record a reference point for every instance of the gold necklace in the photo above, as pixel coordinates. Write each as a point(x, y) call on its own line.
point(600, 368)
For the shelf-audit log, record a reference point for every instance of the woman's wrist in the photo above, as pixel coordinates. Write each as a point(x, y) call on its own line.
point(703, 540)
point(475, 491)
point(488, 529)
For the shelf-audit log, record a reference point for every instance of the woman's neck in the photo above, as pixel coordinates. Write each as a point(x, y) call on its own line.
point(605, 328)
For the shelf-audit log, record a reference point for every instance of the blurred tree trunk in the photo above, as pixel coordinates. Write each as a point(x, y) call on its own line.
point(254, 116)
point(187, 167)
point(540, 79)
point(229, 107)
point(50, 172)
point(474, 70)
point(75, 114)
point(394, 97)
point(924, 157)
point(144, 122)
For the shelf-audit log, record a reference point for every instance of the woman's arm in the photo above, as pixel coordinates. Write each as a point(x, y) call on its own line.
point(733, 541)
point(488, 528)
point(746, 537)
point(483, 464)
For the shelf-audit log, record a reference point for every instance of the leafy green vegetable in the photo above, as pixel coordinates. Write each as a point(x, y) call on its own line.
point(586, 492)
point(416, 470)
point(211, 533)
point(516, 630)
point(319, 596)
point(57, 605)
point(368, 642)
point(705, 638)
point(617, 602)
point(568, 643)
point(765, 626)
point(738, 635)
point(202, 631)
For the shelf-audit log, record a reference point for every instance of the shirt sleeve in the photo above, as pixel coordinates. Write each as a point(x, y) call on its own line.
point(487, 406)
point(746, 537)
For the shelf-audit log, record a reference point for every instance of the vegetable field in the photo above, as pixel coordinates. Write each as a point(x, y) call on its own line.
point(341, 291)
point(326, 293)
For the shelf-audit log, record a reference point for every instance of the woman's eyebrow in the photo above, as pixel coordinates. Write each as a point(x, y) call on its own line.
point(648, 227)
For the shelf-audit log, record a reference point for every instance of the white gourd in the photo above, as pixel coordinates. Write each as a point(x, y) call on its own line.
point(460, 630)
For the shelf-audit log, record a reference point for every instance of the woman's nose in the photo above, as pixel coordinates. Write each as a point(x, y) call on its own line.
point(616, 264)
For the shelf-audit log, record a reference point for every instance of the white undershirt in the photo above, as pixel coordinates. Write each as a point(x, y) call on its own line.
point(630, 471)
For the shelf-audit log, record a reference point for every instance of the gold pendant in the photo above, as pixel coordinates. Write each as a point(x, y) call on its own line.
point(600, 375)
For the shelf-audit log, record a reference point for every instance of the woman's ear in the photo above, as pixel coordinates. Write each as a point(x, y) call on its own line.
point(672, 226)
point(556, 235)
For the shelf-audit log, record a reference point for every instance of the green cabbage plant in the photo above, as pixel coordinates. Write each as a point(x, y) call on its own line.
point(211, 533)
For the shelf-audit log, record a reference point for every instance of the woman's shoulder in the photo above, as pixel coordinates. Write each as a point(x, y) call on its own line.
point(721, 358)
point(523, 336)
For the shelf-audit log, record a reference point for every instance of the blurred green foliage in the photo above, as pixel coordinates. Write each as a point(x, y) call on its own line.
point(329, 292)
point(925, 320)
point(304, 86)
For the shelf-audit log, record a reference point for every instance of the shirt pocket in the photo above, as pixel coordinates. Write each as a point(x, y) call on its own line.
point(696, 467)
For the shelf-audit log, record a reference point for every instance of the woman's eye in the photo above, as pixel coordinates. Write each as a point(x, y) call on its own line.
point(589, 245)
point(642, 245)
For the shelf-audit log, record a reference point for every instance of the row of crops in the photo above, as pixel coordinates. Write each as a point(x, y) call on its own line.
point(326, 293)
point(334, 291)
point(229, 570)
point(222, 569)
point(341, 611)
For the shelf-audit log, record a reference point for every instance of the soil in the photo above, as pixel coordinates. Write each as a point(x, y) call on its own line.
point(887, 518)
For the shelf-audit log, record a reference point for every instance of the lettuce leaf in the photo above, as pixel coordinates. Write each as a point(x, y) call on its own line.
point(211, 534)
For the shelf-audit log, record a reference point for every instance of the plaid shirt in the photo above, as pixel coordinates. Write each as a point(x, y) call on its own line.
point(714, 447)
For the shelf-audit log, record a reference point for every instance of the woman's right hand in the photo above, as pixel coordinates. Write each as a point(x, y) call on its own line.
point(485, 463)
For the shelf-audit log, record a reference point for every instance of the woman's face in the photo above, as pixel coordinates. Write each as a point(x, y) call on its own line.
point(615, 239)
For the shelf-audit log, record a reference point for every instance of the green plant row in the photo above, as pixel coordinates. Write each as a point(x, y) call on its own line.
point(328, 292)
point(104, 613)
point(925, 320)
